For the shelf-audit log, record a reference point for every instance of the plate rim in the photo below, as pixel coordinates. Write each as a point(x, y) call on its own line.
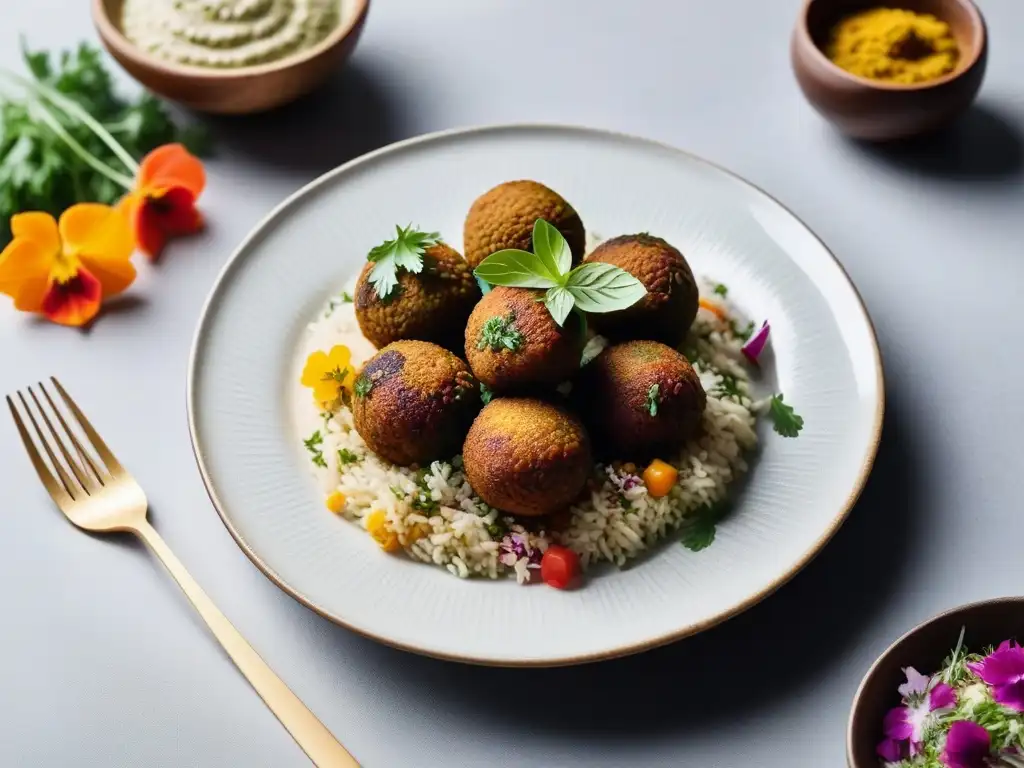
point(689, 630)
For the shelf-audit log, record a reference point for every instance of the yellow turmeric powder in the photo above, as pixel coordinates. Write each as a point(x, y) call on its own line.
point(893, 45)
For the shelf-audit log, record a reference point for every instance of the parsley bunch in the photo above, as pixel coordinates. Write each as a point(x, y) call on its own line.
point(39, 170)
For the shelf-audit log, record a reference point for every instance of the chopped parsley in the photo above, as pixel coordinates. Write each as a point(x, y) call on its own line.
point(651, 404)
point(485, 393)
point(336, 301)
point(500, 333)
point(745, 333)
point(398, 492)
point(721, 290)
point(787, 423)
point(699, 533)
point(363, 385)
point(314, 444)
point(404, 252)
point(345, 456)
point(728, 387)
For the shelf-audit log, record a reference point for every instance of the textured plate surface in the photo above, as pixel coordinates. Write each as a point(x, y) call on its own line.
point(824, 358)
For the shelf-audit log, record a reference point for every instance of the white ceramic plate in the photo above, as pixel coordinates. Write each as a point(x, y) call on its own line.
point(825, 360)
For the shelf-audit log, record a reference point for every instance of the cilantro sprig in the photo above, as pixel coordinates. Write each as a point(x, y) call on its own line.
point(699, 532)
point(785, 420)
point(590, 287)
point(405, 251)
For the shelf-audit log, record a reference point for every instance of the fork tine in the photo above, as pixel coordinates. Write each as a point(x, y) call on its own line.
point(55, 489)
point(80, 474)
point(97, 442)
point(86, 459)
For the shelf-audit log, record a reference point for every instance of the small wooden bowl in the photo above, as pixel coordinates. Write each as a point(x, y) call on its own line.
point(877, 111)
point(924, 648)
point(231, 91)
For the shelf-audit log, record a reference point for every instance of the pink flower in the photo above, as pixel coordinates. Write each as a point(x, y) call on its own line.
point(924, 699)
point(1003, 671)
point(967, 746)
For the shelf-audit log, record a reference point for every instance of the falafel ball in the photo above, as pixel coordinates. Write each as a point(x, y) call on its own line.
point(667, 311)
point(431, 305)
point(513, 342)
point(413, 403)
point(526, 456)
point(641, 398)
point(503, 217)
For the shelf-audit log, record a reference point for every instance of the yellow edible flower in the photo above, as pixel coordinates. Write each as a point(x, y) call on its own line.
point(377, 527)
point(329, 374)
point(336, 502)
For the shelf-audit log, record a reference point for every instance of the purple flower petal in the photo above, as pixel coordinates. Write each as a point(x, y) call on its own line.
point(1011, 695)
point(916, 683)
point(755, 344)
point(941, 697)
point(967, 746)
point(1001, 667)
point(891, 751)
point(896, 725)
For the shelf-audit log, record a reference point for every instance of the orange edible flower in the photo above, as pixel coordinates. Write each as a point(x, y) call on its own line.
point(329, 374)
point(65, 269)
point(163, 203)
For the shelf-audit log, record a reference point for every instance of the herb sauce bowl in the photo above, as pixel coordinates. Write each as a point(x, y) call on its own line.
point(924, 648)
point(881, 111)
point(240, 90)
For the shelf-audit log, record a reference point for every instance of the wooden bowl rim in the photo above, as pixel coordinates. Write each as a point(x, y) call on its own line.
point(963, 67)
point(115, 38)
point(859, 695)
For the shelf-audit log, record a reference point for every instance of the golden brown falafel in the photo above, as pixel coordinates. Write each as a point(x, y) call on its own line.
point(513, 343)
point(431, 305)
point(503, 217)
point(641, 398)
point(413, 403)
point(526, 456)
point(667, 311)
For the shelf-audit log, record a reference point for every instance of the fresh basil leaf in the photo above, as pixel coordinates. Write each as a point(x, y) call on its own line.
point(551, 248)
point(559, 302)
point(599, 287)
point(515, 268)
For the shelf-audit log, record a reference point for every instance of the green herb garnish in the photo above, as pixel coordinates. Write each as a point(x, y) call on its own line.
point(651, 405)
point(500, 333)
point(39, 171)
point(363, 385)
point(745, 333)
point(699, 532)
point(729, 386)
point(721, 290)
point(590, 287)
point(404, 252)
point(314, 444)
point(485, 393)
point(336, 301)
point(787, 422)
point(345, 456)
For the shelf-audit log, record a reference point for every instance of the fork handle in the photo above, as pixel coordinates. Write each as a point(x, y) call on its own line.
point(310, 734)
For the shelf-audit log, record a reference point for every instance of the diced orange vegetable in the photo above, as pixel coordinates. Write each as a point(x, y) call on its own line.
point(710, 306)
point(336, 502)
point(377, 527)
point(659, 478)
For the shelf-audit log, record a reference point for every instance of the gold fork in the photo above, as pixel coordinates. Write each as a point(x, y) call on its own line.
point(111, 500)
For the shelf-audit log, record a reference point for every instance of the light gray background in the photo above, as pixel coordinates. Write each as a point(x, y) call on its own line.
point(104, 663)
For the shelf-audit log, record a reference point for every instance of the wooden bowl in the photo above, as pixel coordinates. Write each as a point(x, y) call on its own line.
point(877, 111)
point(232, 91)
point(924, 648)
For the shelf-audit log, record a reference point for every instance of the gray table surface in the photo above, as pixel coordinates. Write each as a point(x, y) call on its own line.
point(104, 663)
